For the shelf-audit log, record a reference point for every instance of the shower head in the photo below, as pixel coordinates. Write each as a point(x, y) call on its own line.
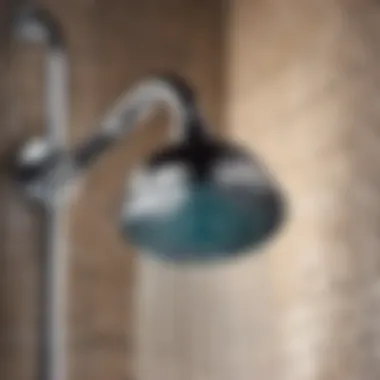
point(199, 198)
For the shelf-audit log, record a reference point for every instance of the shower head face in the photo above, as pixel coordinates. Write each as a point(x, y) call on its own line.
point(200, 201)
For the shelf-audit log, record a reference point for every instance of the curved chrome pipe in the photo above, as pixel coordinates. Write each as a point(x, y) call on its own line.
point(137, 104)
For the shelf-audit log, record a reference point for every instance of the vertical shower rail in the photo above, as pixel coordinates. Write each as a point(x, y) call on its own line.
point(34, 25)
